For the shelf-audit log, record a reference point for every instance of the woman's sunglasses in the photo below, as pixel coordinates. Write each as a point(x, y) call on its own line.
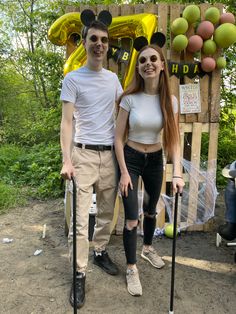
point(95, 38)
point(142, 60)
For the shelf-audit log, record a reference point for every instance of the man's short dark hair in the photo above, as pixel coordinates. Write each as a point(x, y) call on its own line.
point(95, 24)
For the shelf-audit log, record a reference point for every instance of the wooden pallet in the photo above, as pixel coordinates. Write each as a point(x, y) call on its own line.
point(192, 126)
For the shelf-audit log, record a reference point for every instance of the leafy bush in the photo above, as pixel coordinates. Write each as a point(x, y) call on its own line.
point(37, 167)
point(226, 151)
point(9, 156)
point(11, 196)
point(39, 126)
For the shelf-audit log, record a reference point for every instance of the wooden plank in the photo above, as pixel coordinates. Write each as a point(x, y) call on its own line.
point(189, 57)
point(194, 177)
point(150, 8)
point(162, 23)
point(215, 96)
point(203, 116)
point(111, 64)
point(174, 56)
point(181, 131)
point(125, 42)
point(160, 222)
point(212, 162)
point(87, 6)
point(213, 139)
point(71, 46)
point(114, 10)
point(119, 214)
point(139, 8)
point(188, 127)
point(71, 8)
point(101, 7)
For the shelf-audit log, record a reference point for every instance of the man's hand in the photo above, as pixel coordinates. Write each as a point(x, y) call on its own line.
point(67, 170)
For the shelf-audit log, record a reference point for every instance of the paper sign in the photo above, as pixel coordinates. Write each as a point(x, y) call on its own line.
point(190, 101)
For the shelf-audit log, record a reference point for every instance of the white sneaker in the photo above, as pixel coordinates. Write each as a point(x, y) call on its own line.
point(153, 258)
point(133, 283)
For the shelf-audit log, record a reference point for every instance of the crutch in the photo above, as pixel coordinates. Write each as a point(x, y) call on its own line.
point(74, 243)
point(171, 311)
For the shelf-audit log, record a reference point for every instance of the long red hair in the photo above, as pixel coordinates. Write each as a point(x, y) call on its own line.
point(170, 128)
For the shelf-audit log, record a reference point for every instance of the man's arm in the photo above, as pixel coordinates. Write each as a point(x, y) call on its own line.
point(66, 139)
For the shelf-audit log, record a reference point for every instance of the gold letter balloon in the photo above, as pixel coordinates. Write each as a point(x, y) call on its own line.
point(129, 26)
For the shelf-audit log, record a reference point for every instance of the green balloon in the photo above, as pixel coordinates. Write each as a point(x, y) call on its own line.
point(180, 42)
point(169, 230)
point(225, 35)
point(179, 26)
point(212, 15)
point(220, 63)
point(191, 13)
point(209, 47)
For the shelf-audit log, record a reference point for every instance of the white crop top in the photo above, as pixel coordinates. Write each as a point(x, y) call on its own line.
point(145, 117)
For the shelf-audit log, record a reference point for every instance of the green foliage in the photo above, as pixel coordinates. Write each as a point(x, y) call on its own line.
point(42, 128)
point(226, 152)
point(11, 196)
point(226, 147)
point(37, 167)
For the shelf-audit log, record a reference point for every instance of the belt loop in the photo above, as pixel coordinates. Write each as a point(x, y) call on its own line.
point(83, 146)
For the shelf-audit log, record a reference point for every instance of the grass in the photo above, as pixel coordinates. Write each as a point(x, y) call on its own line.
point(10, 197)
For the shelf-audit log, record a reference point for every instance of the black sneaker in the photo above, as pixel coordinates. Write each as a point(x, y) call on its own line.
point(102, 260)
point(80, 290)
point(228, 231)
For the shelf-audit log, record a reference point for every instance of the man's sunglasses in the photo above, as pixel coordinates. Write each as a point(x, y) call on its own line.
point(142, 60)
point(95, 38)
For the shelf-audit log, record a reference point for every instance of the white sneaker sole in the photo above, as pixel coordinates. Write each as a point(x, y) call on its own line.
point(147, 259)
point(134, 294)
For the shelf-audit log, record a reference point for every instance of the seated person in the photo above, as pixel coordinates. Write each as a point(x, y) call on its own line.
point(228, 230)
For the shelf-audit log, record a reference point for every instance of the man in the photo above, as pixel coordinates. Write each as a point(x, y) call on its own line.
point(228, 230)
point(89, 94)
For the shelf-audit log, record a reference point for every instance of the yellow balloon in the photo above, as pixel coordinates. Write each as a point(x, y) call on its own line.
point(64, 27)
point(130, 26)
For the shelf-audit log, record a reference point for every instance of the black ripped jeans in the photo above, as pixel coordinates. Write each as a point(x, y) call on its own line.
point(150, 167)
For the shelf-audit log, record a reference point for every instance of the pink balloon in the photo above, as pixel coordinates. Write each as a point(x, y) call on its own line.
point(195, 43)
point(205, 29)
point(208, 64)
point(227, 18)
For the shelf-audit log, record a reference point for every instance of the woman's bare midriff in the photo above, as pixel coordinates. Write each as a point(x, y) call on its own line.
point(144, 148)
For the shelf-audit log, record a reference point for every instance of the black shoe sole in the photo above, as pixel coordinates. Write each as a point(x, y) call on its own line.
point(227, 237)
point(78, 305)
point(112, 273)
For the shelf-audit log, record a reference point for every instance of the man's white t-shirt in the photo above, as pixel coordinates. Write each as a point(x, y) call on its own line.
point(93, 94)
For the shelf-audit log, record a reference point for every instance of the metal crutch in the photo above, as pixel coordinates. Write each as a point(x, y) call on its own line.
point(171, 311)
point(74, 243)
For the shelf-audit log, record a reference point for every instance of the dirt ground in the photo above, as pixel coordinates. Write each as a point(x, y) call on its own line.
point(205, 280)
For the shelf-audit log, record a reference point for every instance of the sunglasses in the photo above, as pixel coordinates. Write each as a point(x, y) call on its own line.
point(95, 38)
point(142, 60)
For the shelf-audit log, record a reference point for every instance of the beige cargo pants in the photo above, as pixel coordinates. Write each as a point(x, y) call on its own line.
point(99, 169)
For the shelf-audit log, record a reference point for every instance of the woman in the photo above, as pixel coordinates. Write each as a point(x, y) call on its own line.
point(146, 108)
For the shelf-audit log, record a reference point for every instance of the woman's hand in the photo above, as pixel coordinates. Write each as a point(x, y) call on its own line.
point(177, 184)
point(125, 182)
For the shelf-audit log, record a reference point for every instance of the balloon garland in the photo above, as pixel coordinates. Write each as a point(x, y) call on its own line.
point(214, 32)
